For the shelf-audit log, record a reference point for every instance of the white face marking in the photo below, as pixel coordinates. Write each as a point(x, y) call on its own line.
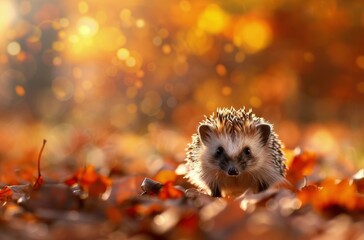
point(234, 146)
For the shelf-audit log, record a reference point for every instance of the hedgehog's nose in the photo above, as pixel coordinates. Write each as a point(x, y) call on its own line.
point(233, 171)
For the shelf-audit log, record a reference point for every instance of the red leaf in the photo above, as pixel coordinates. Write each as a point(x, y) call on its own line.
point(5, 194)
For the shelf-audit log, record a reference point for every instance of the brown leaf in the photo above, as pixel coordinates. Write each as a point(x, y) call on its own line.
point(150, 186)
point(53, 196)
point(125, 188)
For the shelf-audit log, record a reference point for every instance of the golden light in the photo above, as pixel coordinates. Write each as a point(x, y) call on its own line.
point(125, 16)
point(73, 38)
point(130, 62)
point(83, 7)
point(7, 13)
point(198, 41)
point(213, 19)
point(322, 140)
point(253, 35)
point(166, 49)
point(87, 26)
point(103, 40)
point(64, 22)
point(14, 48)
point(140, 23)
point(123, 53)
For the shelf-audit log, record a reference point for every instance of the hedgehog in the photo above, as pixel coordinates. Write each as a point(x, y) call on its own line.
point(234, 151)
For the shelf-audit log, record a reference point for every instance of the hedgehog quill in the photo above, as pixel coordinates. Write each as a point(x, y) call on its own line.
point(233, 151)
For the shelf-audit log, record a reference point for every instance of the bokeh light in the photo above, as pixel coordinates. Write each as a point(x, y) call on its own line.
point(87, 26)
point(113, 73)
point(252, 35)
point(213, 19)
point(13, 48)
point(8, 15)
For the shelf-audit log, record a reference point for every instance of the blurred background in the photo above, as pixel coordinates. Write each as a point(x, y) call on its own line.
point(123, 84)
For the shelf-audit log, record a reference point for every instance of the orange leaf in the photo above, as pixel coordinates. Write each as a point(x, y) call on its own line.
point(165, 176)
point(169, 191)
point(308, 193)
point(90, 181)
point(341, 194)
point(99, 186)
point(88, 175)
point(332, 196)
point(302, 165)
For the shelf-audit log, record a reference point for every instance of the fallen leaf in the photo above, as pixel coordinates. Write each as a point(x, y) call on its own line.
point(90, 181)
point(302, 165)
point(170, 191)
point(331, 196)
point(5, 194)
point(125, 188)
point(165, 176)
point(150, 186)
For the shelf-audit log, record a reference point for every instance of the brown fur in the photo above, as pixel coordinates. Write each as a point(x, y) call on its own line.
point(234, 130)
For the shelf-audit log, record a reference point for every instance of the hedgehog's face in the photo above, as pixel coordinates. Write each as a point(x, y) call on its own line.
point(234, 153)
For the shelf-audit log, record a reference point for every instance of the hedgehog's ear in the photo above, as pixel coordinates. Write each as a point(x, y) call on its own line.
point(204, 131)
point(265, 131)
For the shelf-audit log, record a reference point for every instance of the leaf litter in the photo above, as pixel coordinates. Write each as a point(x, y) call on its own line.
point(90, 205)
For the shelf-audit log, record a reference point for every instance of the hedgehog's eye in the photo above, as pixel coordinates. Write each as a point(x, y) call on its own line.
point(219, 151)
point(247, 151)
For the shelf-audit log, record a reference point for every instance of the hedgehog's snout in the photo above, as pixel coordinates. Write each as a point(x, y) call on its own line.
point(233, 171)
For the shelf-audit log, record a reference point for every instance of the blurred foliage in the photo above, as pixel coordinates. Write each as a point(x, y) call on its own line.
point(125, 83)
point(118, 87)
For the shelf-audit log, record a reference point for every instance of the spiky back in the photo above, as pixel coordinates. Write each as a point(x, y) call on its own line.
point(233, 123)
